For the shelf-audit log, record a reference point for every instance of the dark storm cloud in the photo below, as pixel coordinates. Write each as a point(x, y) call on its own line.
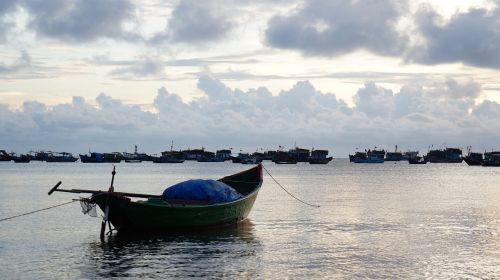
point(196, 22)
point(334, 27)
point(330, 28)
point(80, 20)
point(470, 37)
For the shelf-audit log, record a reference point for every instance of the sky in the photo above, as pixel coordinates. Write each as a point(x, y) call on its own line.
point(105, 75)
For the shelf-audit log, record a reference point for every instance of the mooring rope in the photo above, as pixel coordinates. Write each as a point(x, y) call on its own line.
point(290, 194)
point(32, 212)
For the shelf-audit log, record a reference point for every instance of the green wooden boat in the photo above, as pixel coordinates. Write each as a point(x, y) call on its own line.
point(155, 215)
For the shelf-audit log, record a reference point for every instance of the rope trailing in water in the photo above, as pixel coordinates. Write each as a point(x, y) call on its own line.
point(40, 210)
point(313, 205)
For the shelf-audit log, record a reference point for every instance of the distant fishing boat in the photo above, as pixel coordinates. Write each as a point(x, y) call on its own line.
point(357, 155)
point(240, 157)
point(394, 156)
point(114, 157)
point(319, 157)
point(166, 159)
point(282, 157)
point(417, 160)
point(135, 157)
point(157, 214)
point(20, 158)
point(223, 154)
point(210, 159)
point(169, 156)
point(409, 155)
point(60, 157)
point(491, 159)
point(473, 158)
point(299, 154)
point(4, 156)
point(39, 155)
point(101, 157)
point(371, 156)
point(133, 160)
point(92, 158)
point(250, 160)
point(448, 155)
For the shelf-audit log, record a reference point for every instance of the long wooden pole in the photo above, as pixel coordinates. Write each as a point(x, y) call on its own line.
point(139, 195)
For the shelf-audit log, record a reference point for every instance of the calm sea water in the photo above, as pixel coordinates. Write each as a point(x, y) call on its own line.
point(390, 220)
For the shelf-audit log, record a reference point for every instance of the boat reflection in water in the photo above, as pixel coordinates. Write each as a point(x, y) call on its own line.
point(223, 253)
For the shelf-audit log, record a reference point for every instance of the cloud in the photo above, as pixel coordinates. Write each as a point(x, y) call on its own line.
point(146, 67)
point(330, 28)
point(488, 110)
point(81, 20)
point(196, 22)
point(374, 101)
point(446, 100)
point(453, 90)
point(6, 7)
point(412, 117)
point(23, 62)
point(470, 37)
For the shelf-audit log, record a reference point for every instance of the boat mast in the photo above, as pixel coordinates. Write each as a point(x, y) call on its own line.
point(106, 211)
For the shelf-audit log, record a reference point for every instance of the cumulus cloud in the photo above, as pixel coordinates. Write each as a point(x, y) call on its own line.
point(454, 90)
point(229, 117)
point(79, 21)
point(470, 37)
point(196, 22)
point(325, 27)
point(447, 100)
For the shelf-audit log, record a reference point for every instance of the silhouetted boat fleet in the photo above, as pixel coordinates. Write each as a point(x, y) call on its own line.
point(280, 156)
point(293, 156)
point(447, 155)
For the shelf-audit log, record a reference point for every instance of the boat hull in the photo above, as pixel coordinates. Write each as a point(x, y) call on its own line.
point(490, 164)
point(87, 159)
point(133, 160)
point(368, 160)
point(69, 159)
point(470, 161)
point(100, 159)
point(21, 160)
point(167, 160)
point(443, 160)
point(155, 216)
point(320, 160)
point(412, 161)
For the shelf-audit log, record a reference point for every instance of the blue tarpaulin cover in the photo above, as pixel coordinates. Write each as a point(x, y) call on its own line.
point(198, 189)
